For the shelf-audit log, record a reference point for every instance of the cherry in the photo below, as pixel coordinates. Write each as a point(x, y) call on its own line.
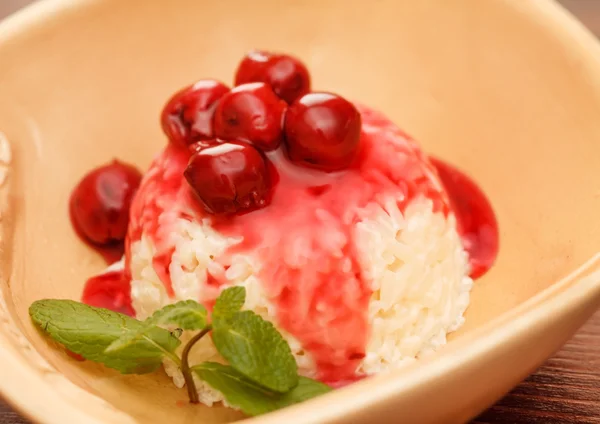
point(322, 130)
point(252, 113)
point(99, 205)
point(229, 177)
point(203, 144)
point(287, 76)
point(187, 116)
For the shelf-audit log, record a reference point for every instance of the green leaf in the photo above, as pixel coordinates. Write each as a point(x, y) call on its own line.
point(254, 347)
point(251, 398)
point(229, 302)
point(187, 315)
point(88, 331)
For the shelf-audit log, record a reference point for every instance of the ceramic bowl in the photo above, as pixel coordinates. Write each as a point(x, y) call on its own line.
point(508, 90)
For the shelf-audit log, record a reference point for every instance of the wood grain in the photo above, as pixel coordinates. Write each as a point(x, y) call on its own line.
point(8, 416)
point(566, 389)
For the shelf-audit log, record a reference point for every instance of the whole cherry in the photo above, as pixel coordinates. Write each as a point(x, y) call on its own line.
point(99, 204)
point(188, 115)
point(322, 130)
point(252, 113)
point(288, 77)
point(229, 177)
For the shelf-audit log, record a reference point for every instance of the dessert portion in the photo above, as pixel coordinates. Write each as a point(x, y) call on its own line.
point(357, 247)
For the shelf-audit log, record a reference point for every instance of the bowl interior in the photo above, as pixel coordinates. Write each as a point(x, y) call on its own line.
point(486, 87)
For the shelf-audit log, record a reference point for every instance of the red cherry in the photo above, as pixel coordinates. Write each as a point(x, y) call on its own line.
point(229, 177)
point(187, 117)
point(203, 144)
point(252, 113)
point(287, 76)
point(99, 205)
point(322, 130)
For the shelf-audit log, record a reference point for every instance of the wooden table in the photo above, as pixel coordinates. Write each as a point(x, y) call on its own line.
point(566, 389)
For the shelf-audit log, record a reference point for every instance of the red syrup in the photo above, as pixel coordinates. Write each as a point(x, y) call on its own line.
point(310, 211)
point(475, 217)
point(315, 211)
point(300, 224)
point(75, 356)
point(99, 212)
point(110, 290)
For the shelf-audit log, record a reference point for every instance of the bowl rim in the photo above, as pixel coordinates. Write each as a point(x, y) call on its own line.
point(559, 299)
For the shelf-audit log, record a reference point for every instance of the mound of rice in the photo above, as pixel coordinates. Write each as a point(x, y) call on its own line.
point(411, 257)
point(415, 260)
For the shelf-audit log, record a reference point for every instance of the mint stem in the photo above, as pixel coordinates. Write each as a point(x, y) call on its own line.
point(185, 365)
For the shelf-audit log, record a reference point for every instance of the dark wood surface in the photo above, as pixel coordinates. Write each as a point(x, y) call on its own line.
point(566, 389)
point(8, 416)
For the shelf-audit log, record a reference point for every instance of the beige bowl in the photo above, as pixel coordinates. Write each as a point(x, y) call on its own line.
point(507, 90)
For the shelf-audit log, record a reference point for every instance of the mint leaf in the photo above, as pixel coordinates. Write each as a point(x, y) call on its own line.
point(88, 331)
point(306, 389)
point(187, 315)
point(250, 398)
point(229, 302)
point(254, 347)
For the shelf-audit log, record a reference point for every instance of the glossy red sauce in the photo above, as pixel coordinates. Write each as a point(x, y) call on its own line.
point(162, 197)
point(304, 238)
point(111, 290)
point(75, 356)
point(475, 217)
point(336, 384)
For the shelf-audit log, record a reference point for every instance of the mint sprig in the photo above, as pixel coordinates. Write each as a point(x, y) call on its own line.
point(251, 398)
point(251, 344)
point(88, 331)
point(229, 302)
point(187, 315)
point(255, 348)
point(262, 374)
